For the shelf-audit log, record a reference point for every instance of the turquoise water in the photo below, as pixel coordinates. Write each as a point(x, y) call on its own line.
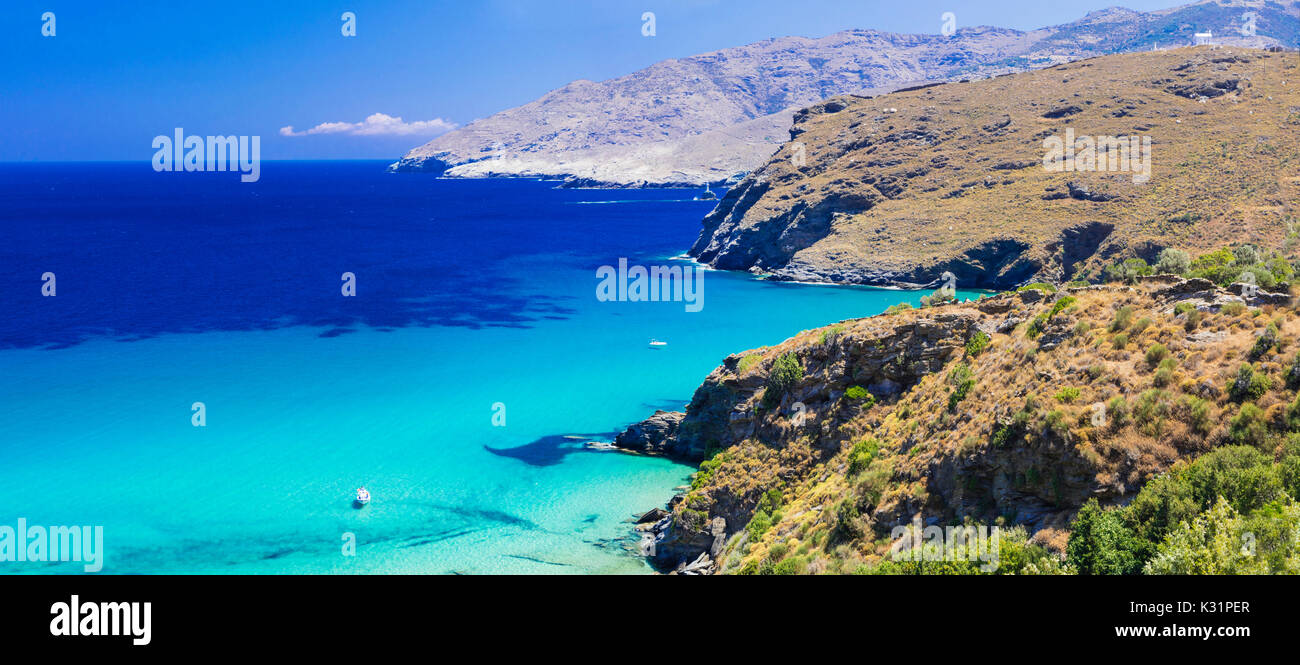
point(99, 432)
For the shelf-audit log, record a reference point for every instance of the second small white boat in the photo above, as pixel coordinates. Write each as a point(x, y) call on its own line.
point(656, 344)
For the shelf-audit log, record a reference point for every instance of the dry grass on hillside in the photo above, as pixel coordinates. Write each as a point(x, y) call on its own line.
point(920, 178)
point(1024, 446)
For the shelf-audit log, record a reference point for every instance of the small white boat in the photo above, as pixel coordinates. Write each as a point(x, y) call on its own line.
point(656, 344)
point(363, 497)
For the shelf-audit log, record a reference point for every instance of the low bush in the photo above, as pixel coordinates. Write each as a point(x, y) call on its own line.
point(861, 396)
point(1123, 319)
point(1156, 353)
point(1067, 395)
point(1248, 384)
point(786, 372)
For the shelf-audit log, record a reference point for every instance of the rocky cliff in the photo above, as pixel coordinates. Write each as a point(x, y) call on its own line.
point(1011, 410)
point(709, 117)
point(962, 178)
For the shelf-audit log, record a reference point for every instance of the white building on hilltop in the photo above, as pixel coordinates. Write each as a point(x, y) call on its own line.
point(1203, 38)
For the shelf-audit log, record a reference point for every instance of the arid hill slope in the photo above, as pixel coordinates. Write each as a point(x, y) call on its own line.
point(1012, 410)
point(900, 188)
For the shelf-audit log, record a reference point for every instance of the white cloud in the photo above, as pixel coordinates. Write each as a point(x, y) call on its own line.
point(376, 124)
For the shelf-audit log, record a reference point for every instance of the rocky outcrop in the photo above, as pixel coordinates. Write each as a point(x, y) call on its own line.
point(1020, 447)
point(898, 189)
point(729, 408)
point(651, 435)
point(681, 546)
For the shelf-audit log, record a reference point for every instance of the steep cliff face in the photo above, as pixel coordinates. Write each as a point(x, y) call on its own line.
point(962, 177)
point(1013, 409)
point(708, 117)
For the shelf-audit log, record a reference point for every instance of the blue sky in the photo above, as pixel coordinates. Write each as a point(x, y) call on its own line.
point(117, 74)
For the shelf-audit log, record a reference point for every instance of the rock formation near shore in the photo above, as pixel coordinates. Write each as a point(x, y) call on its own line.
point(819, 446)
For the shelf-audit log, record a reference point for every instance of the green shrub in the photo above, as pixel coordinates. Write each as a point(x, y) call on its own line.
point(1117, 412)
point(1233, 308)
point(793, 566)
point(846, 519)
point(1061, 305)
point(747, 362)
point(1163, 377)
point(1038, 286)
point(1017, 556)
point(1248, 384)
point(1153, 407)
point(1156, 353)
point(977, 343)
point(871, 484)
point(707, 468)
point(1292, 414)
point(962, 380)
point(1128, 270)
point(786, 372)
point(1249, 427)
point(940, 296)
point(692, 520)
point(1172, 262)
point(863, 453)
point(1101, 544)
point(1057, 422)
point(771, 501)
point(1208, 543)
point(1036, 326)
point(1001, 436)
point(1195, 412)
point(1246, 478)
point(759, 524)
point(1266, 341)
point(900, 307)
point(1067, 395)
point(860, 395)
point(1123, 319)
point(831, 332)
point(1293, 373)
point(1215, 266)
point(1119, 340)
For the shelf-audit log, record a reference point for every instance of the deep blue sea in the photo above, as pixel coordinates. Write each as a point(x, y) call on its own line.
point(176, 288)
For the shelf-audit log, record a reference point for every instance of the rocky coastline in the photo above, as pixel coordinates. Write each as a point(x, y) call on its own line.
point(890, 356)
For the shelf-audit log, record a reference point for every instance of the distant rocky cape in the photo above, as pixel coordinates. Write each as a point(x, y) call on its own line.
point(713, 117)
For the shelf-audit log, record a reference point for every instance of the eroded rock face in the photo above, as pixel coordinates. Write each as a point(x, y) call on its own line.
point(982, 458)
point(676, 544)
point(651, 435)
point(728, 409)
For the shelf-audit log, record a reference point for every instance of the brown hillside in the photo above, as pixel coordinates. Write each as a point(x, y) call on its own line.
point(1021, 444)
